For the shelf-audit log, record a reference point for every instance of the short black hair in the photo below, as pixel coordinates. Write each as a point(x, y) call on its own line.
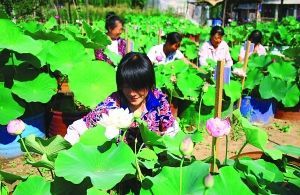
point(217, 30)
point(173, 37)
point(110, 20)
point(136, 71)
point(255, 37)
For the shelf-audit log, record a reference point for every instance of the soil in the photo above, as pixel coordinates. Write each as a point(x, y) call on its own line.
point(202, 150)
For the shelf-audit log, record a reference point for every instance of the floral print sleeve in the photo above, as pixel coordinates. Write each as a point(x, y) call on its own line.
point(166, 119)
point(122, 47)
point(100, 55)
point(111, 102)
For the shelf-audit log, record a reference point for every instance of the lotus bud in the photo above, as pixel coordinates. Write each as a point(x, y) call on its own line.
point(15, 127)
point(159, 58)
point(137, 114)
point(209, 181)
point(205, 87)
point(187, 146)
point(173, 78)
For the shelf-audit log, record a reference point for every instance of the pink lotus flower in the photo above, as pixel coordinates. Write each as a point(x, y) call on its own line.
point(217, 127)
point(159, 58)
point(187, 146)
point(56, 16)
point(209, 181)
point(15, 127)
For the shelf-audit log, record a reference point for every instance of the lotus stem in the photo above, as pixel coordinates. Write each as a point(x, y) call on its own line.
point(140, 175)
point(240, 151)
point(180, 178)
point(226, 152)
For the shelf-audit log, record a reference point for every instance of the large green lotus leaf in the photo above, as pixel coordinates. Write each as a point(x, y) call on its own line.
point(50, 36)
point(149, 137)
point(209, 96)
point(50, 23)
point(254, 77)
point(9, 108)
point(262, 170)
point(285, 71)
point(50, 146)
point(258, 61)
point(92, 82)
point(94, 136)
point(167, 181)
point(234, 52)
point(189, 85)
point(254, 135)
point(31, 26)
point(272, 88)
point(100, 39)
point(289, 149)
point(41, 89)
point(228, 182)
point(104, 169)
point(292, 96)
point(34, 185)
point(12, 38)
point(65, 55)
point(42, 55)
point(233, 90)
point(177, 66)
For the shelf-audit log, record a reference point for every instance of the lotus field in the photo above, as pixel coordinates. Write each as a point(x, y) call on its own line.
point(33, 55)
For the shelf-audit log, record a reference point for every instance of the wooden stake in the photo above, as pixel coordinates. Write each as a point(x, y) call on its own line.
point(244, 69)
point(159, 36)
point(127, 40)
point(218, 104)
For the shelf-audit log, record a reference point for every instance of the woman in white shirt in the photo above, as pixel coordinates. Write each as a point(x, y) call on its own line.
point(216, 49)
point(256, 47)
point(114, 26)
point(166, 52)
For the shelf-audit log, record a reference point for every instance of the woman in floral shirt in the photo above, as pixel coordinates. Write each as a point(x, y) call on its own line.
point(114, 26)
point(136, 91)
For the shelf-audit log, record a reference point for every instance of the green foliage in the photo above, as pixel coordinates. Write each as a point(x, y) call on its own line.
point(9, 108)
point(169, 176)
point(289, 149)
point(228, 182)
point(104, 169)
point(41, 186)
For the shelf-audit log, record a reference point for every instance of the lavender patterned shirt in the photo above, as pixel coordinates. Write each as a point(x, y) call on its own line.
point(158, 115)
point(99, 53)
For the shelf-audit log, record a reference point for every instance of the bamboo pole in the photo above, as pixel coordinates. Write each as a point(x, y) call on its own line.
point(218, 105)
point(159, 36)
point(246, 58)
point(127, 40)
